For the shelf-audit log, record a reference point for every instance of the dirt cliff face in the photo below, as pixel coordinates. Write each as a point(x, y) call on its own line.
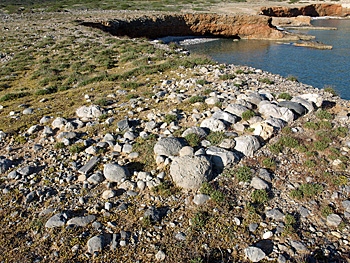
point(309, 10)
point(155, 26)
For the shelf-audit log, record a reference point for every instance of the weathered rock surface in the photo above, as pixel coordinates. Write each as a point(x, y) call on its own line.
point(190, 172)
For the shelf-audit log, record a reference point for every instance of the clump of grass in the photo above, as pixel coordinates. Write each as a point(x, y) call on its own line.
point(200, 219)
point(101, 102)
point(292, 78)
point(306, 191)
point(323, 114)
point(327, 210)
point(239, 71)
point(216, 195)
point(196, 98)
point(310, 163)
point(216, 138)
point(76, 148)
point(201, 82)
point(340, 132)
point(193, 139)
point(285, 96)
point(276, 148)
point(311, 125)
point(165, 189)
point(266, 81)
point(289, 142)
point(290, 225)
point(244, 174)
point(269, 163)
point(248, 114)
point(259, 196)
point(227, 76)
point(169, 118)
point(60, 145)
point(49, 90)
point(330, 90)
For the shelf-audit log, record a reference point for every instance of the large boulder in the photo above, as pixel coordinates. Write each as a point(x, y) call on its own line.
point(190, 172)
point(247, 144)
point(169, 146)
point(293, 106)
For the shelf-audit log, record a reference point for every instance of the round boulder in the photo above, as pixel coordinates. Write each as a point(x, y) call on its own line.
point(247, 144)
point(190, 172)
point(115, 173)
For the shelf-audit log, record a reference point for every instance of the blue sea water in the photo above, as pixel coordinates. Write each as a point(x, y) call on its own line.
point(319, 68)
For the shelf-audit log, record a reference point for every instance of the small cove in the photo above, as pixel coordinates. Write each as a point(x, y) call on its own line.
point(319, 68)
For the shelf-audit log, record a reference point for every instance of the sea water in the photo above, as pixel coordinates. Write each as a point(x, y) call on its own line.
point(319, 68)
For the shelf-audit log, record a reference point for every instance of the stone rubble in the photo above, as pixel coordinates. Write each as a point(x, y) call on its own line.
point(91, 188)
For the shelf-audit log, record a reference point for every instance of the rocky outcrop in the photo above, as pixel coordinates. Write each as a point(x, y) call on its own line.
point(314, 10)
point(155, 26)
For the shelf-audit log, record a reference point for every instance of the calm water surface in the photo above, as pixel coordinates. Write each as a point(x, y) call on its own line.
point(318, 68)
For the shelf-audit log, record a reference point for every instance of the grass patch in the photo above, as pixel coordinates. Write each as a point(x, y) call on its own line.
point(307, 191)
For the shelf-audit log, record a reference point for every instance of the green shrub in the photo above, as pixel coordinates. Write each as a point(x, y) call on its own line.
point(60, 145)
point(325, 125)
point(276, 148)
point(326, 211)
point(260, 196)
point(239, 71)
point(323, 114)
point(200, 219)
point(243, 174)
point(169, 118)
point(101, 102)
point(285, 96)
point(49, 90)
point(246, 115)
point(266, 81)
point(307, 190)
point(268, 163)
point(201, 82)
point(340, 132)
point(76, 148)
point(311, 125)
point(289, 141)
point(320, 145)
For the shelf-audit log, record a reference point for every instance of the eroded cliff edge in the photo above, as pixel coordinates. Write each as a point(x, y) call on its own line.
point(155, 26)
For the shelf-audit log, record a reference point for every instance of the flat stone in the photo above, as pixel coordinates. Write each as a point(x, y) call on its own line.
point(89, 165)
point(333, 220)
point(96, 178)
point(225, 117)
point(221, 157)
point(346, 205)
point(236, 109)
point(201, 132)
point(87, 112)
point(160, 256)
point(81, 221)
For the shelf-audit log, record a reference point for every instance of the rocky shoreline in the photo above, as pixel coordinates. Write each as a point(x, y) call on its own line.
point(222, 163)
